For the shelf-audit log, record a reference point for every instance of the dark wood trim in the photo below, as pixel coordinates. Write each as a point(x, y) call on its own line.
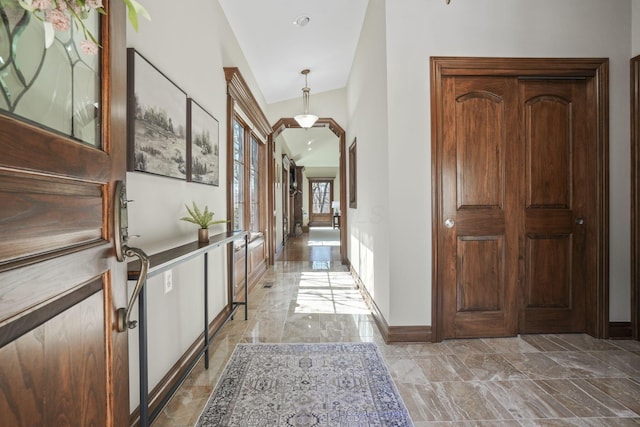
point(333, 126)
point(164, 386)
point(238, 89)
point(272, 164)
point(239, 93)
point(13, 330)
point(635, 197)
point(599, 310)
point(595, 68)
point(620, 331)
point(404, 334)
point(391, 334)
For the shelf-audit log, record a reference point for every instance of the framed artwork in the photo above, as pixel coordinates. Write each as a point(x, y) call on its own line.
point(156, 122)
point(203, 145)
point(353, 185)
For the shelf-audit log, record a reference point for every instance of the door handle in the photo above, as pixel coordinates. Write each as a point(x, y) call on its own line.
point(449, 223)
point(120, 225)
point(580, 221)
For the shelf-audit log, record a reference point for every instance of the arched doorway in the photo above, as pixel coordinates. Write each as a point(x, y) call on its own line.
point(274, 164)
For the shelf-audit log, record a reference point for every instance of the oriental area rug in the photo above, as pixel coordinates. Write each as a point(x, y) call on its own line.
point(305, 385)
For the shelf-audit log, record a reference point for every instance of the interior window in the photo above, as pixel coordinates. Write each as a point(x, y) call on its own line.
point(238, 175)
point(247, 172)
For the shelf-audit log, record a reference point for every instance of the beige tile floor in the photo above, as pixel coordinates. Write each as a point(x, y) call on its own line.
point(531, 380)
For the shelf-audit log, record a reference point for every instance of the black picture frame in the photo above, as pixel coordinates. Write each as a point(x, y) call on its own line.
point(203, 145)
point(156, 120)
point(353, 174)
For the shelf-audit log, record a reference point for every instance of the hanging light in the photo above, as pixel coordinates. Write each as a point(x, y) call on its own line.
point(305, 120)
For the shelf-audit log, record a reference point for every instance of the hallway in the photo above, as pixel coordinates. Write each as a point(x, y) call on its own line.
point(531, 380)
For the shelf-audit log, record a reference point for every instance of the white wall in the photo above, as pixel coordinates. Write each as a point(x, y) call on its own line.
point(329, 104)
point(191, 49)
point(418, 29)
point(635, 27)
point(368, 225)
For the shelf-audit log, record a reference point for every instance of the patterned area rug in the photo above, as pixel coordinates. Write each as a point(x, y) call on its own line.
point(304, 385)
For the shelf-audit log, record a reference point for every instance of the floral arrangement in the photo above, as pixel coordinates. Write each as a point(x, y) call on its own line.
point(58, 15)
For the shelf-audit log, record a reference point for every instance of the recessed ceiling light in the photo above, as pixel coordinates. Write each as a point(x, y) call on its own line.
point(301, 20)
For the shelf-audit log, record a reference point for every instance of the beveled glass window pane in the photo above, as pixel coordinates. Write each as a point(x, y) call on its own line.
point(57, 88)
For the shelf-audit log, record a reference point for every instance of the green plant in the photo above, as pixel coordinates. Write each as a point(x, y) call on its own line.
point(203, 218)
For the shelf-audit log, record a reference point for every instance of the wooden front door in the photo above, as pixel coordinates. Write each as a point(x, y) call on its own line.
point(62, 362)
point(320, 198)
point(518, 186)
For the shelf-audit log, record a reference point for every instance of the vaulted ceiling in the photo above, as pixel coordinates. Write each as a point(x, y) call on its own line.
point(277, 49)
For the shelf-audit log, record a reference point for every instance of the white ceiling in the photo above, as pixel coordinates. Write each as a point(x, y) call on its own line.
point(277, 50)
point(315, 147)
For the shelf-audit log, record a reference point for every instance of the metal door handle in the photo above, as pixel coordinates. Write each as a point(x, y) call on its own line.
point(125, 313)
point(120, 225)
point(449, 223)
point(580, 221)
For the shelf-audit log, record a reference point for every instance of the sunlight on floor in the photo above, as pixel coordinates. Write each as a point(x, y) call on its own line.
point(329, 293)
point(323, 243)
point(324, 236)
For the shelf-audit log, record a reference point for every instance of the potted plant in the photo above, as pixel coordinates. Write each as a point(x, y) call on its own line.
point(203, 218)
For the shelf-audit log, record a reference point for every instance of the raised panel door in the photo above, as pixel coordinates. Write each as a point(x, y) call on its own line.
point(479, 226)
point(557, 204)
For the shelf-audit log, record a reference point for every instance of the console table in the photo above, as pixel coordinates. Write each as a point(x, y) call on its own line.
point(167, 260)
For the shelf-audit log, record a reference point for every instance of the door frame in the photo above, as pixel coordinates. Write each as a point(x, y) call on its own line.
point(311, 181)
point(596, 69)
point(635, 197)
point(333, 126)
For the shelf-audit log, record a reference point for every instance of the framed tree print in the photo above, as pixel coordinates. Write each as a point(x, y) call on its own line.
point(156, 122)
point(204, 145)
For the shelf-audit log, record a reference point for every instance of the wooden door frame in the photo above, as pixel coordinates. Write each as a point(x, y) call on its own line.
point(635, 197)
point(596, 69)
point(333, 126)
point(320, 179)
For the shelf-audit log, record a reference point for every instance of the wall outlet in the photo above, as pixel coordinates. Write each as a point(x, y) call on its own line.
point(168, 281)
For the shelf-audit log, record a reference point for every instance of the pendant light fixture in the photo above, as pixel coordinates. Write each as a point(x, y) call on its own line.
point(305, 120)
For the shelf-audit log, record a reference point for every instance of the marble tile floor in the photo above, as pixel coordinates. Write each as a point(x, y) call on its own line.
point(530, 380)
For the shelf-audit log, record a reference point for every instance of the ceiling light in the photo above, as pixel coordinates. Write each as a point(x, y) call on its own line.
point(301, 20)
point(305, 120)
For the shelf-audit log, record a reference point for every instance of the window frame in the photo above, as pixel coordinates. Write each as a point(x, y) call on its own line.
point(249, 137)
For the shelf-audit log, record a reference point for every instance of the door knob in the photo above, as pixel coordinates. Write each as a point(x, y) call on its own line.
point(449, 223)
point(580, 221)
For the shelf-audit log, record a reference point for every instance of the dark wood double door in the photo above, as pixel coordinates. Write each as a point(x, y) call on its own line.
point(519, 217)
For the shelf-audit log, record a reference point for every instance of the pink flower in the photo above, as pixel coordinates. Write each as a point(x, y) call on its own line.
point(88, 47)
point(94, 4)
point(42, 4)
point(76, 7)
point(58, 19)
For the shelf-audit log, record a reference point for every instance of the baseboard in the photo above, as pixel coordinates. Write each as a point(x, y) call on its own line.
point(620, 330)
point(161, 391)
point(391, 334)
